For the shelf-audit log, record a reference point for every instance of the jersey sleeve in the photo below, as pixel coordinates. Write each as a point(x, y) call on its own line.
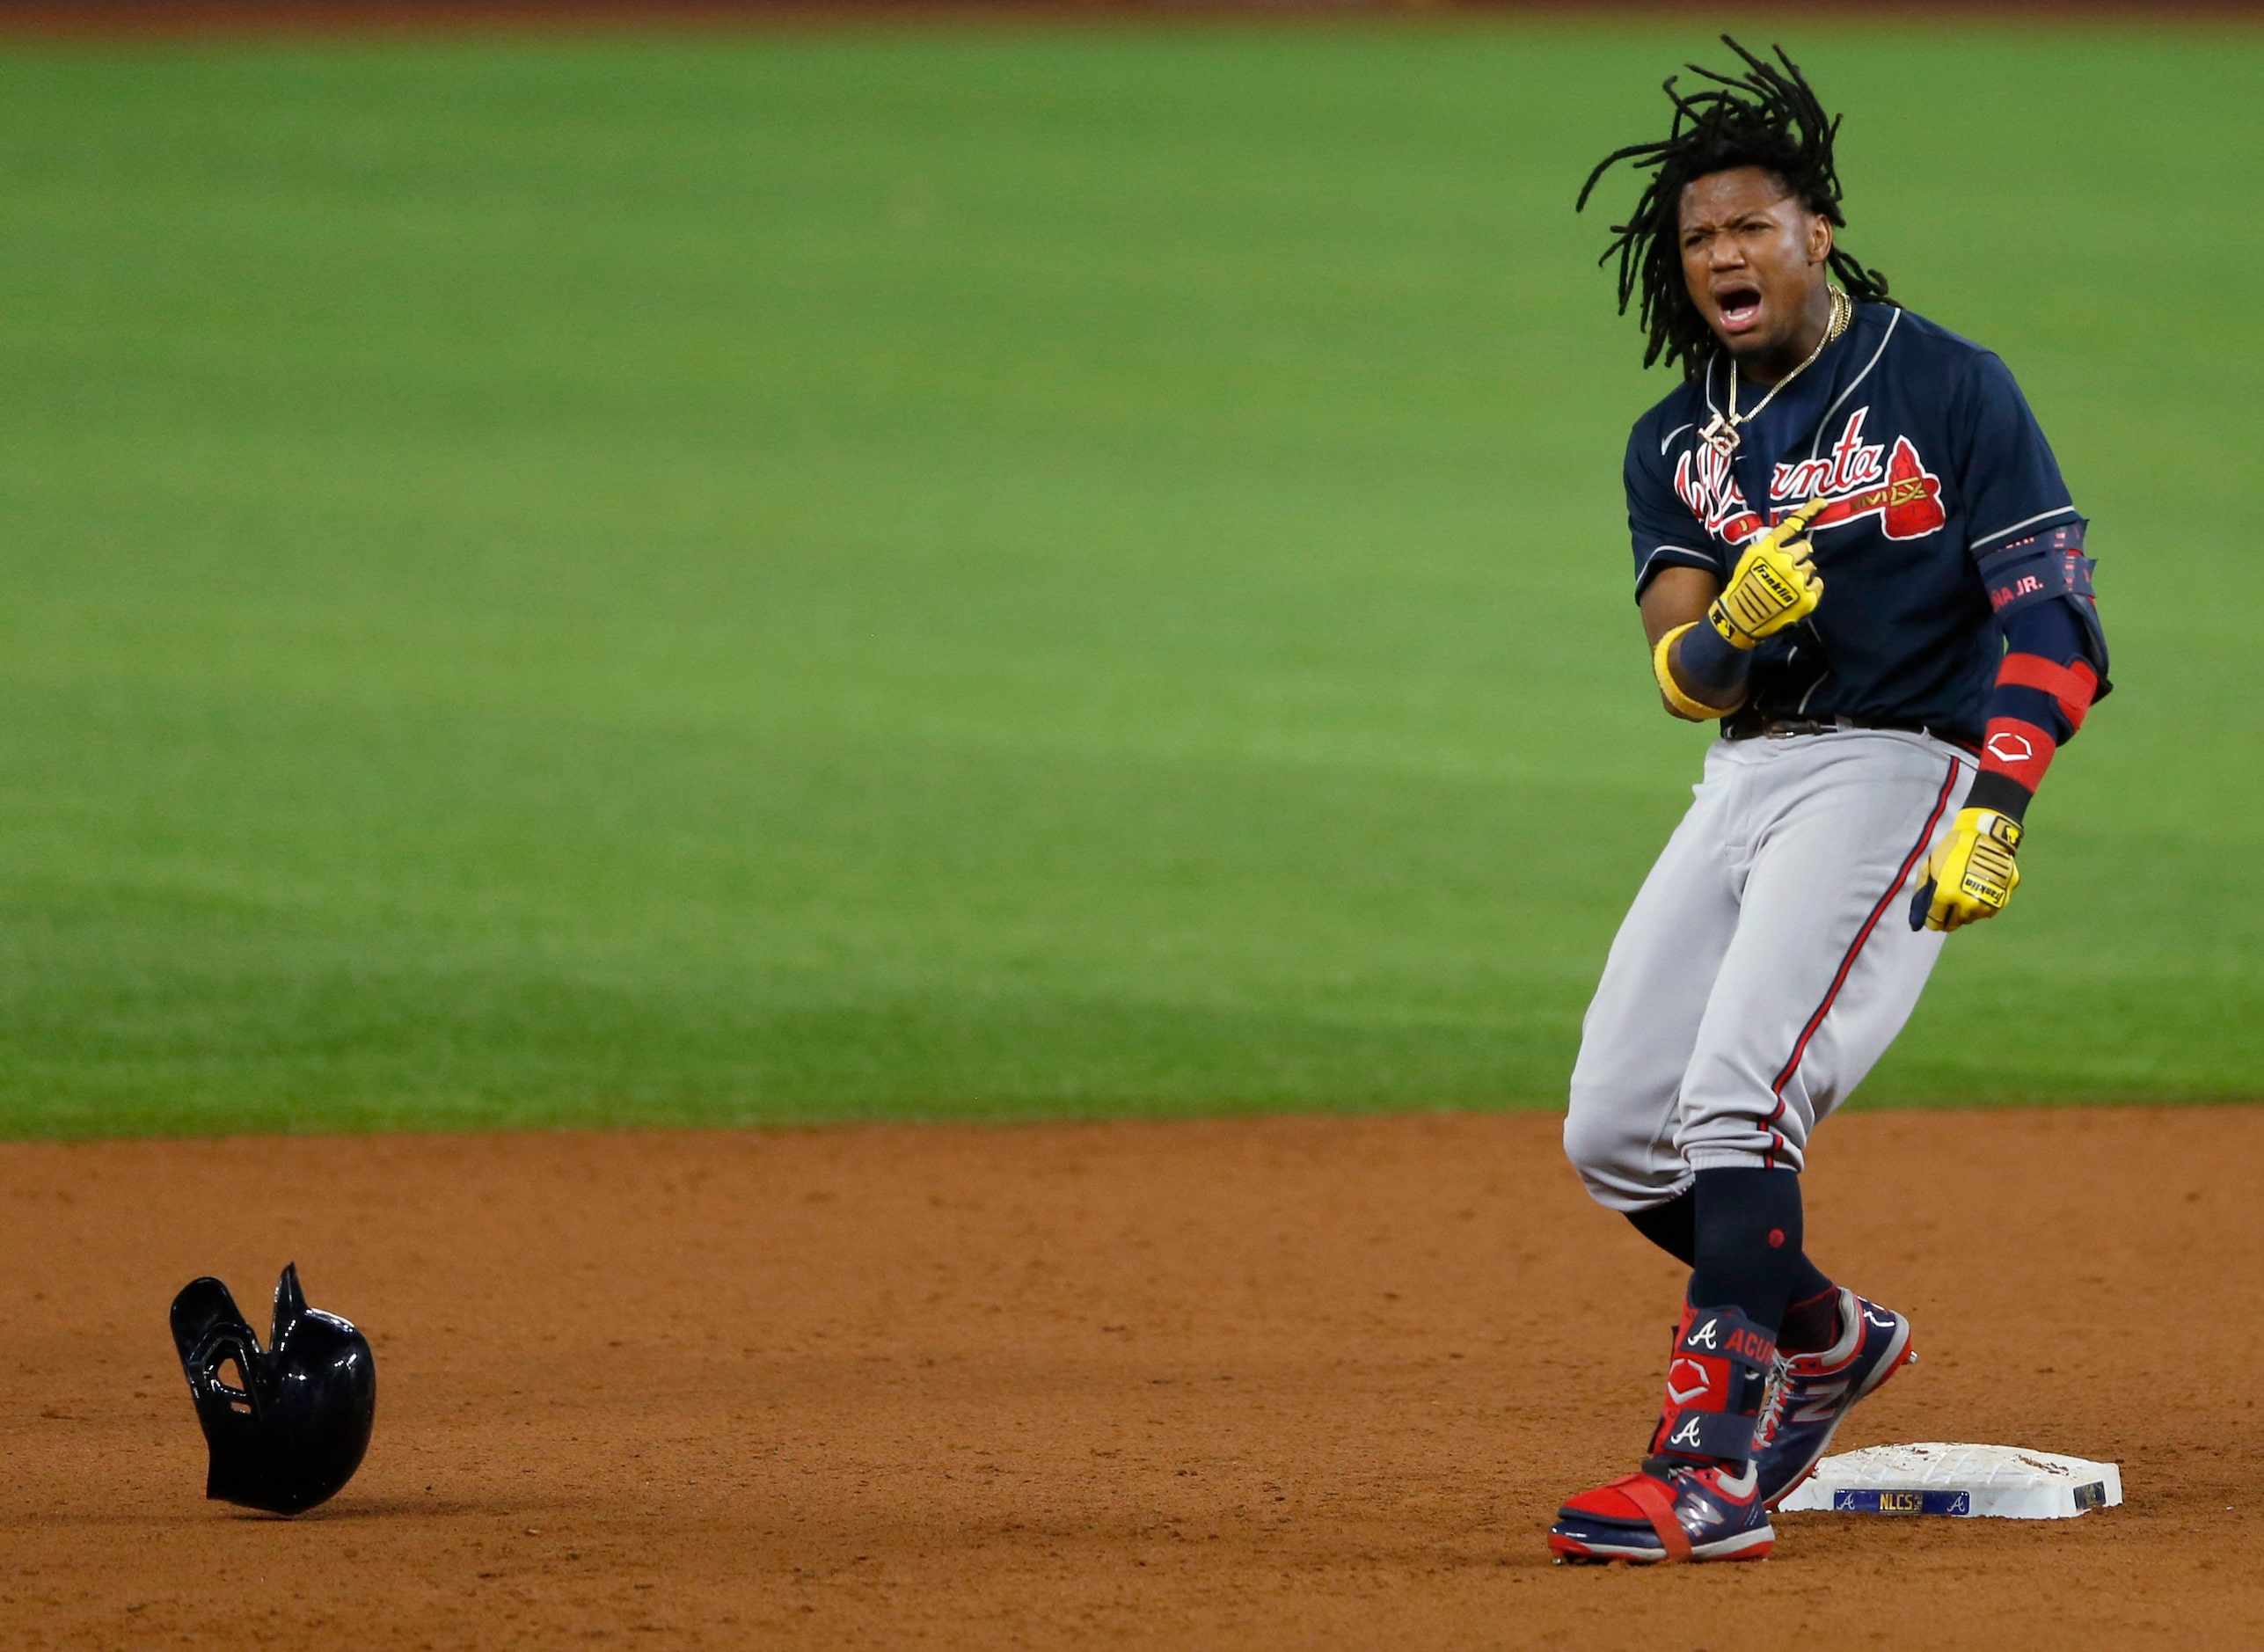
point(1664, 531)
point(2007, 475)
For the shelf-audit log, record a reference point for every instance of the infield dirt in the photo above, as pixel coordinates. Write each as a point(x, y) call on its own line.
point(1264, 1383)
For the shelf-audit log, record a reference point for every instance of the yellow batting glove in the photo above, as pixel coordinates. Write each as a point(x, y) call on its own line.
point(1774, 584)
point(1971, 876)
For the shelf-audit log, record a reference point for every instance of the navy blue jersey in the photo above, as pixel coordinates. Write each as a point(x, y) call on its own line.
point(1932, 463)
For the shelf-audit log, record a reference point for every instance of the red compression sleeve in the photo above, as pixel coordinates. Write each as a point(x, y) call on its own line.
point(2043, 689)
point(2019, 745)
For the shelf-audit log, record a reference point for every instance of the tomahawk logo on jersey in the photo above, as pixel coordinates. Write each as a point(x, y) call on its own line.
point(1930, 465)
point(1901, 492)
point(1854, 480)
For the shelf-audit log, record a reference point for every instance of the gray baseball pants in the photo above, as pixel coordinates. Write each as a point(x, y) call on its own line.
point(1767, 963)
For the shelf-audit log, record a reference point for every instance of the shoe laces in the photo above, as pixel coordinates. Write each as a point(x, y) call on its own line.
point(1772, 1402)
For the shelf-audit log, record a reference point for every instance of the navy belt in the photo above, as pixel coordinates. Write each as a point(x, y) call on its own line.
point(1750, 725)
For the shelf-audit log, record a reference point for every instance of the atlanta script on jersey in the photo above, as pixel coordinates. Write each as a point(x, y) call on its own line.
point(1930, 464)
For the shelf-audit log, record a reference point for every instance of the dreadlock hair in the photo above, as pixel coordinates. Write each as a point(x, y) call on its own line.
point(1766, 117)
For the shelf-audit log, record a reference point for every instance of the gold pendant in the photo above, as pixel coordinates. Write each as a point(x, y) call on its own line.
point(1721, 436)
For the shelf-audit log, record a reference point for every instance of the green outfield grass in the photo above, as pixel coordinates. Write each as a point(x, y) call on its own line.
point(1001, 573)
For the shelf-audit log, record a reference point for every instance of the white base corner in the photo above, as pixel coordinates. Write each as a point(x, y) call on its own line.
point(1932, 1477)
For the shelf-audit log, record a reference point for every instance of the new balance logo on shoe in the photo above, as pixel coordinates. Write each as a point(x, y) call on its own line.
point(1823, 1403)
point(1809, 1394)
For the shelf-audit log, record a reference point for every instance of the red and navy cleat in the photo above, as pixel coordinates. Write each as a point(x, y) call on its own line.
point(1696, 1496)
point(1808, 1393)
point(1673, 1511)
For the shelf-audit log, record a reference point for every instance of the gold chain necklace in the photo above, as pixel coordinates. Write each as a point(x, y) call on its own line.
point(1722, 435)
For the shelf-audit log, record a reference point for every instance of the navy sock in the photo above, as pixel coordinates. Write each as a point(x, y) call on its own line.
point(1671, 1226)
point(1746, 1242)
point(1811, 1321)
point(1809, 1287)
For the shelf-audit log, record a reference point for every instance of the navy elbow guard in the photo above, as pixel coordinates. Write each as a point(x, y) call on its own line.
point(2049, 569)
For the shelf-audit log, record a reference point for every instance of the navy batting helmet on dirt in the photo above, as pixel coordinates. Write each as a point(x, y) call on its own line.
point(294, 1432)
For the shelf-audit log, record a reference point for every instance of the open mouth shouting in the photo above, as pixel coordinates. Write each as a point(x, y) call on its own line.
point(1738, 304)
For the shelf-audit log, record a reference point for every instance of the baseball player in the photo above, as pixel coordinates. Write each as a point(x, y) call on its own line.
point(1852, 548)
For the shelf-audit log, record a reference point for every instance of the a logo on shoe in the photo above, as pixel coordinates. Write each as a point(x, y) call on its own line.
point(1686, 1379)
point(1743, 1342)
point(1756, 1346)
point(1687, 1434)
point(1821, 1403)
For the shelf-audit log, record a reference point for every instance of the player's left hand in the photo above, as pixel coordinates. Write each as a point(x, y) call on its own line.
point(1972, 875)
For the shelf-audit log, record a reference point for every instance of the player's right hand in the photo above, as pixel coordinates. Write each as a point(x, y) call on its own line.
point(1774, 584)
